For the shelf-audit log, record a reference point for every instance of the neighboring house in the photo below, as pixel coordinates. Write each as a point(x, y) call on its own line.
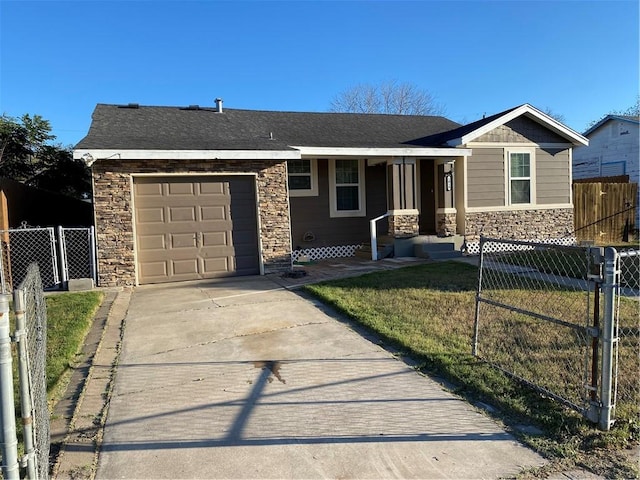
point(613, 150)
point(187, 193)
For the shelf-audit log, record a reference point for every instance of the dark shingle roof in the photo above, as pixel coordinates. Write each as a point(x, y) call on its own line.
point(444, 137)
point(175, 128)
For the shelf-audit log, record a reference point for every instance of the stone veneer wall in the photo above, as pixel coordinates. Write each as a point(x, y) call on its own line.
point(114, 216)
point(520, 224)
point(401, 226)
point(446, 224)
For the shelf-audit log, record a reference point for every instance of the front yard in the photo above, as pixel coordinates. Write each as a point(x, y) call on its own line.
point(427, 313)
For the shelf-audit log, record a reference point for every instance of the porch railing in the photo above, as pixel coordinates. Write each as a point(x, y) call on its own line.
point(374, 236)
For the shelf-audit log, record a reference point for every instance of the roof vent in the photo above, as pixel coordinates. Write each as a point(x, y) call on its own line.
point(193, 107)
point(130, 105)
point(219, 105)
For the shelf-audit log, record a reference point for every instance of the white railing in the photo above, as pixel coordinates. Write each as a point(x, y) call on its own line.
point(374, 236)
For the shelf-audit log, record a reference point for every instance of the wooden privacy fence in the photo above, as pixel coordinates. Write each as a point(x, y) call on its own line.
point(604, 212)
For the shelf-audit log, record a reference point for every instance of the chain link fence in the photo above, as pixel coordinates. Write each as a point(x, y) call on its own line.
point(30, 336)
point(68, 255)
point(77, 253)
point(531, 315)
point(541, 316)
point(627, 332)
point(23, 246)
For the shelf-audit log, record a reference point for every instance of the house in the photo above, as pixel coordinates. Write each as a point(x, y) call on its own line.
point(613, 150)
point(195, 192)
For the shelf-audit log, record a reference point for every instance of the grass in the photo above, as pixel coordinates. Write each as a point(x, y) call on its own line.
point(69, 317)
point(427, 312)
point(573, 261)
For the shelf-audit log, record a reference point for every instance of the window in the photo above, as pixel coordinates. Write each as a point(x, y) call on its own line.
point(302, 177)
point(346, 183)
point(520, 182)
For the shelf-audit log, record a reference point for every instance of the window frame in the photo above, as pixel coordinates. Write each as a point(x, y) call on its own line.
point(305, 192)
point(333, 200)
point(531, 178)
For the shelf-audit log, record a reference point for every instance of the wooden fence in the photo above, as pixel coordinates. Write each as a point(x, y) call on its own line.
point(604, 212)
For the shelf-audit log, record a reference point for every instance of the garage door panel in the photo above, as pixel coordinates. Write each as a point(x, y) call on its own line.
point(152, 242)
point(214, 188)
point(218, 265)
point(181, 188)
point(183, 240)
point(153, 269)
point(148, 189)
point(218, 212)
point(151, 215)
point(195, 227)
point(213, 239)
point(182, 214)
point(185, 267)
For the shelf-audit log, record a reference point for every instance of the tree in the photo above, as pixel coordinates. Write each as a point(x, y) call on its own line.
point(556, 116)
point(632, 111)
point(388, 97)
point(28, 156)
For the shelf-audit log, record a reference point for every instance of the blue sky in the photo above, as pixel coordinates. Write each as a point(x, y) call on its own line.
point(59, 59)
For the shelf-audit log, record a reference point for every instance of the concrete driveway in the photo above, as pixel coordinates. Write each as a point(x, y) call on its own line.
point(244, 379)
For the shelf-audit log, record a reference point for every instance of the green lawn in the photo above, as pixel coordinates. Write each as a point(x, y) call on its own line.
point(427, 312)
point(69, 317)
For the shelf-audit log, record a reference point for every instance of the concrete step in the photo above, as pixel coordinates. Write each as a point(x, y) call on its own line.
point(437, 251)
point(444, 255)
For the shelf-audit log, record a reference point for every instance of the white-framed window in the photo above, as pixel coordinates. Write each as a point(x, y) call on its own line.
point(346, 188)
point(520, 176)
point(303, 177)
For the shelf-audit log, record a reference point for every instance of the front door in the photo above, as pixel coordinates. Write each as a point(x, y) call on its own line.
point(427, 198)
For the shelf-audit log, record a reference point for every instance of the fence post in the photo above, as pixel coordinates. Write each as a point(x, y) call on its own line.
point(478, 292)
point(609, 338)
point(64, 268)
point(25, 391)
point(9, 439)
point(92, 253)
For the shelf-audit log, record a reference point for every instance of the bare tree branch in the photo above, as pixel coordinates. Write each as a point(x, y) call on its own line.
point(388, 97)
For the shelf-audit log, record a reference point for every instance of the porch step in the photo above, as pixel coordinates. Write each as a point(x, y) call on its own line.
point(437, 251)
point(384, 250)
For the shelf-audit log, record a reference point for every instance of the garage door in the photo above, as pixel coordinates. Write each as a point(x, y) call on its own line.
point(188, 228)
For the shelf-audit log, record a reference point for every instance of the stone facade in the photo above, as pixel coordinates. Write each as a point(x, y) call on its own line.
point(446, 224)
point(402, 226)
point(538, 224)
point(114, 215)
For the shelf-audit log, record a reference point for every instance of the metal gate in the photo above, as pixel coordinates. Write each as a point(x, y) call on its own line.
point(77, 253)
point(69, 255)
point(24, 246)
point(547, 315)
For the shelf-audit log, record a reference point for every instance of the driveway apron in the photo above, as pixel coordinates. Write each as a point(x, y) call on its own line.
point(243, 379)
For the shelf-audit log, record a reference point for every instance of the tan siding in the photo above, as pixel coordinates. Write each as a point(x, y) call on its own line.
point(553, 184)
point(521, 130)
point(485, 178)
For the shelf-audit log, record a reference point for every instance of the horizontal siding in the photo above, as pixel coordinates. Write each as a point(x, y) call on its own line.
point(311, 214)
point(485, 178)
point(553, 183)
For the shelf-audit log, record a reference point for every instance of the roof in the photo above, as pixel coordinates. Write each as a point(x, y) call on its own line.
point(197, 128)
point(467, 133)
point(624, 118)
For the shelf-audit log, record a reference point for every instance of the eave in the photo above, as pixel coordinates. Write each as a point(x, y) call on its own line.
point(542, 118)
point(91, 155)
point(382, 152)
